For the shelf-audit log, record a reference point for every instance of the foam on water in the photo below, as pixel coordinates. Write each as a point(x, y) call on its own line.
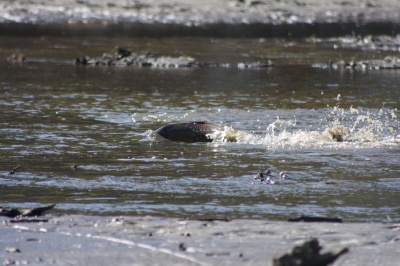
point(341, 128)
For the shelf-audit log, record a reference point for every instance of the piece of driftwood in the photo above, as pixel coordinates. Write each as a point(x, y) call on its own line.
point(31, 212)
point(315, 219)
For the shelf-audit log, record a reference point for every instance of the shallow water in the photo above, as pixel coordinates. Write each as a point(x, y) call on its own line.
point(55, 115)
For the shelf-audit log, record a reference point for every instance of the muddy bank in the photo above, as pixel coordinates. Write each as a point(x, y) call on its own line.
point(226, 18)
point(92, 240)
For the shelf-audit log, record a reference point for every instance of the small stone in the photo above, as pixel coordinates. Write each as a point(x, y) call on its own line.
point(182, 247)
point(331, 182)
point(13, 250)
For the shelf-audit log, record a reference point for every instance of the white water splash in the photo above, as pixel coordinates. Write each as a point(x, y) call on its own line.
point(344, 128)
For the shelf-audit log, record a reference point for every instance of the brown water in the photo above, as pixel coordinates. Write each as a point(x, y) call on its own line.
point(55, 115)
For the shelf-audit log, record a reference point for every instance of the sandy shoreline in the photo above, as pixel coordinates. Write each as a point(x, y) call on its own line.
point(199, 12)
point(234, 18)
point(95, 240)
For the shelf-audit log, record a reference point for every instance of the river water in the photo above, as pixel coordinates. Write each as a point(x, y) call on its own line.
point(101, 119)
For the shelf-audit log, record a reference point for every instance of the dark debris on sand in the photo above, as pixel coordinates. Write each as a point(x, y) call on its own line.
point(308, 254)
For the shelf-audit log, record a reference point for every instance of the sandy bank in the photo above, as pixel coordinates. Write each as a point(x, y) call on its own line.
point(92, 240)
point(247, 18)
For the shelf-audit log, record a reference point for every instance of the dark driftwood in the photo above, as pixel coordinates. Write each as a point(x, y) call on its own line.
point(14, 212)
point(315, 219)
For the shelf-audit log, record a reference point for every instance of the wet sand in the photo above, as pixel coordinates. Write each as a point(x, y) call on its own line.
point(93, 240)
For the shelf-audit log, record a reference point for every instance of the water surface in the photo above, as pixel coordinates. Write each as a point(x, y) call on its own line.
point(56, 115)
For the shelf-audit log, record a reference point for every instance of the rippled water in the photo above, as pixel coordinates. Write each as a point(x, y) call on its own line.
point(55, 115)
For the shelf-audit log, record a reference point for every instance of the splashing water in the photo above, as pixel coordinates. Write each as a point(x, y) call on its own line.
point(340, 128)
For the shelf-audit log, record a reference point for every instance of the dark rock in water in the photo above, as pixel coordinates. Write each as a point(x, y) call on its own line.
point(124, 57)
point(308, 254)
point(188, 132)
point(265, 178)
point(82, 60)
